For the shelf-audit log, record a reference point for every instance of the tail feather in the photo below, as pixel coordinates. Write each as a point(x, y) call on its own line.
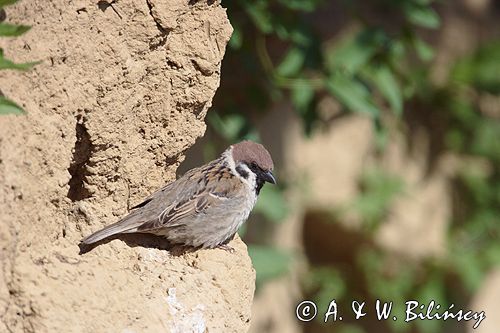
point(126, 225)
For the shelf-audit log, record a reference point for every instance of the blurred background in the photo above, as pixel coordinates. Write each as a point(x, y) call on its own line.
point(383, 119)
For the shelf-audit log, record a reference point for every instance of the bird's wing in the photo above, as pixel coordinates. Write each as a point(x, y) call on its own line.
point(164, 192)
point(198, 191)
point(216, 190)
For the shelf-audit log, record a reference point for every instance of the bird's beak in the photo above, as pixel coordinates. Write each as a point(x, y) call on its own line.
point(268, 177)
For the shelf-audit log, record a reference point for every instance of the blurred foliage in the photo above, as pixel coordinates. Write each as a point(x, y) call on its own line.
point(278, 54)
point(363, 70)
point(471, 131)
point(378, 189)
point(268, 262)
point(474, 132)
point(325, 282)
point(271, 204)
point(11, 30)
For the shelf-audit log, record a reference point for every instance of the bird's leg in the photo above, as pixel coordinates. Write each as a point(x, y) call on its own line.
point(226, 247)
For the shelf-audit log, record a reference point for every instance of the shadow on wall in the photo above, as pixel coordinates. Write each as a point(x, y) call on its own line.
point(329, 244)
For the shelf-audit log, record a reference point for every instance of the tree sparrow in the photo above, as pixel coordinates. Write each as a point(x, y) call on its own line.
point(205, 207)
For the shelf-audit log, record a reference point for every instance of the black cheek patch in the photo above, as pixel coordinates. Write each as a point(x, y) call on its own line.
point(243, 173)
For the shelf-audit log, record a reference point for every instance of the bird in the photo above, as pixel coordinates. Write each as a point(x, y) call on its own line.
point(206, 206)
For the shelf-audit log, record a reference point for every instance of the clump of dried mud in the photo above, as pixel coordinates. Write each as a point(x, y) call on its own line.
point(120, 94)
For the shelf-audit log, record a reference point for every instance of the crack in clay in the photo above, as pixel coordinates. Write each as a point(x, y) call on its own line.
point(162, 29)
point(81, 156)
point(162, 37)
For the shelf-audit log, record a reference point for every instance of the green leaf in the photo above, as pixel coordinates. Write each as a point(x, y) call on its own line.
point(4, 3)
point(350, 328)
point(268, 262)
point(9, 107)
point(354, 52)
point(379, 189)
point(251, 134)
point(455, 139)
point(423, 2)
point(432, 290)
point(231, 127)
point(236, 38)
point(468, 267)
point(386, 83)
point(374, 264)
point(260, 14)
point(396, 49)
point(7, 64)
point(302, 95)
point(475, 179)
point(352, 94)
point(423, 16)
point(327, 283)
point(9, 30)
point(290, 30)
point(424, 50)
point(292, 62)
point(481, 69)
point(381, 134)
point(492, 254)
point(272, 204)
point(485, 140)
point(302, 5)
point(349, 57)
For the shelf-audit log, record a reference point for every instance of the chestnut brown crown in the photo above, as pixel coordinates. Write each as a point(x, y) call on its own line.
point(250, 152)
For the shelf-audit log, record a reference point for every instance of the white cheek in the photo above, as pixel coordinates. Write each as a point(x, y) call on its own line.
point(229, 159)
point(250, 180)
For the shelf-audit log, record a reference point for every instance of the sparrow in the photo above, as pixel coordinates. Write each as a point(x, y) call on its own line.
point(206, 206)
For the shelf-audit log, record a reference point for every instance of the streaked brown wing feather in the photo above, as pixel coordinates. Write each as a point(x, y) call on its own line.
point(213, 192)
point(199, 190)
point(171, 216)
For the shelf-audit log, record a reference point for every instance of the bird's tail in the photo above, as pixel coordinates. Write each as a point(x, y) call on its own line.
point(126, 225)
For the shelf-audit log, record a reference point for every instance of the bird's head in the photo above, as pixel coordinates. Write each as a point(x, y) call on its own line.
point(250, 157)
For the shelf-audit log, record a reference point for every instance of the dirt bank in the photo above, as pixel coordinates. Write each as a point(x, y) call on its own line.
point(120, 94)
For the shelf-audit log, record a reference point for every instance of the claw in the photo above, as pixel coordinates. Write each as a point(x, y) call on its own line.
point(226, 247)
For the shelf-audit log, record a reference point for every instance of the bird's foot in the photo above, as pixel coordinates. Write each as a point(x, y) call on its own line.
point(226, 247)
